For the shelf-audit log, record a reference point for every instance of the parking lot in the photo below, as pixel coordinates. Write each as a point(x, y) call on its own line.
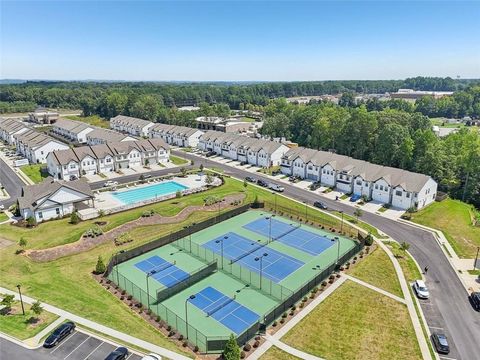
point(82, 346)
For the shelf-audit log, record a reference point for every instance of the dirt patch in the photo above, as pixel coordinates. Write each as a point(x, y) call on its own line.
point(87, 243)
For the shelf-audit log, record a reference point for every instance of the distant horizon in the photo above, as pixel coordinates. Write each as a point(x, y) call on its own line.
point(233, 41)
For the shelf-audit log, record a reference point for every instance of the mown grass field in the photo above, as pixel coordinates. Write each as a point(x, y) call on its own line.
point(94, 120)
point(275, 353)
point(20, 326)
point(356, 323)
point(178, 160)
point(3, 216)
point(409, 267)
point(68, 283)
point(454, 219)
point(377, 269)
point(36, 172)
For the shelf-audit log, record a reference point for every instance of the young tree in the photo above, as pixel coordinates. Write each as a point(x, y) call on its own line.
point(404, 246)
point(22, 243)
point(74, 218)
point(183, 171)
point(100, 267)
point(358, 213)
point(245, 183)
point(37, 308)
point(7, 301)
point(232, 350)
point(31, 221)
point(201, 167)
point(209, 180)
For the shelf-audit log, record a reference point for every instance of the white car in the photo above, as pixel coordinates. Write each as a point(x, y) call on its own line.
point(421, 289)
point(110, 183)
point(276, 187)
point(152, 357)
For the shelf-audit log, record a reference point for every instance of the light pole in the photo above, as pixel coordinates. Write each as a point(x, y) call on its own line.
point(21, 300)
point(341, 224)
point(116, 264)
point(148, 292)
point(306, 211)
point(275, 197)
point(270, 228)
point(476, 258)
point(260, 258)
point(191, 297)
point(220, 241)
point(338, 248)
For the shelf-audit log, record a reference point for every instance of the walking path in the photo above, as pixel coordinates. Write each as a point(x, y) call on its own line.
point(35, 341)
point(101, 328)
point(381, 291)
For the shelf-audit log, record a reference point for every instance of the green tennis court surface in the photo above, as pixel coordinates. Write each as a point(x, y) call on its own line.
point(261, 259)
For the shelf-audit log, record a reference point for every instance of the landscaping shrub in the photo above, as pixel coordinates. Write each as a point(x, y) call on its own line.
point(74, 218)
point(274, 323)
point(180, 337)
point(185, 344)
point(256, 344)
point(284, 315)
point(100, 267)
point(247, 347)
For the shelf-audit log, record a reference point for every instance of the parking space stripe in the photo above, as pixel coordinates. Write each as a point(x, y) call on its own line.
point(129, 356)
point(64, 341)
point(86, 357)
point(76, 348)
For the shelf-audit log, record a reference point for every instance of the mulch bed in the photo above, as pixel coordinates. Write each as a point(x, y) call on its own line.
point(87, 243)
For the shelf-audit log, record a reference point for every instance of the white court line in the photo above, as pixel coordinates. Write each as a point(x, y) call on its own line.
point(101, 343)
point(63, 342)
point(76, 348)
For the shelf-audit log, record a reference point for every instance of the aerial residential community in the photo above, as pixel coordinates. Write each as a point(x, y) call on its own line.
point(268, 180)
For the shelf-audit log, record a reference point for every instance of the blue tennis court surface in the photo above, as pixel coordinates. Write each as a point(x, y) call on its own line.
point(288, 234)
point(166, 273)
point(225, 310)
point(275, 266)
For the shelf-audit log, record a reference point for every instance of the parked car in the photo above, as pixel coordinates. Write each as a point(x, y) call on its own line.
point(59, 334)
point(421, 289)
point(73, 177)
point(2, 207)
point(441, 343)
point(110, 183)
point(119, 353)
point(152, 357)
point(355, 197)
point(475, 300)
point(292, 178)
point(262, 183)
point(210, 154)
point(320, 205)
point(276, 172)
point(242, 163)
point(251, 179)
point(275, 187)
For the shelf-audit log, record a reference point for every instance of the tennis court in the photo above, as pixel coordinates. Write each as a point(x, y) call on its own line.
point(291, 234)
point(224, 309)
point(254, 255)
point(165, 272)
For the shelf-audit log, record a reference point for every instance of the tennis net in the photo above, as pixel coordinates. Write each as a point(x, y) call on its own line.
point(255, 248)
point(287, 232)
point(162, 267)
point(221, 305)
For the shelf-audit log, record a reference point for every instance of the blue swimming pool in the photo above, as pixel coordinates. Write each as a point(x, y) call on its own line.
point(148, 192)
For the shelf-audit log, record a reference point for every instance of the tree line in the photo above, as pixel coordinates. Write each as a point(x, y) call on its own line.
point(389, 137)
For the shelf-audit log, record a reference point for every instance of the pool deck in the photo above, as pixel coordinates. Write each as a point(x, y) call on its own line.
point(105, 200)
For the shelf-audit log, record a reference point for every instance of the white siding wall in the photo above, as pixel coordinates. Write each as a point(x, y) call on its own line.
point(427, 194)
point(328, 175)
point(381, 191)
point(40, 155)
point(402, 199)
point(298, 168)
point(312, 172)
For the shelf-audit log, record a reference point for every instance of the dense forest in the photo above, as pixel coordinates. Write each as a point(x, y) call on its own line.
point(393, 132)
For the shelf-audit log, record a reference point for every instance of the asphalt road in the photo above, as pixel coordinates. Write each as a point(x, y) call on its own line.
point(12, 183)
point(448, 309)
point(78, 346)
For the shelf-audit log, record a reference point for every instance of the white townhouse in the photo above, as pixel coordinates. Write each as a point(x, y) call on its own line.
point(258, 152)
point(71, 130)
point(89, 160)
point(35, 146)
point(9, 128)
point(54, 199)
point(131, 125)
point(104, 136)
point(176, 135)
point(43, 116)
point(399, 188)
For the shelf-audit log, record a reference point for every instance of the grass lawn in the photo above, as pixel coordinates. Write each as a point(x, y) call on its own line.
point(3, 216)
point(356, 323)
point(409, 267)
point(94, 120)
point(36, 172)
point(178, 160)
point(248, 119)
point(67, 282)
point(454, 219)
point(377, 269)
point(20, 326)
point(363, 225)
point(275, 353)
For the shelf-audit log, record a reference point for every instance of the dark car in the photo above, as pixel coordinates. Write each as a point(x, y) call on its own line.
point(292, 178)
point(475, 300)
point(251, 179)
point(210, 154)
point(119, 353)
point(320, 205)
point(242, 163)
point(262, 183)
point(145, 176)
point(441, 343)
point(59, 334)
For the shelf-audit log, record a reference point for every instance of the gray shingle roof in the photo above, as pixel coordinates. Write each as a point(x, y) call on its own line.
point(106, 135)
point(130, 121)
point(72, 126)
point(34, 139)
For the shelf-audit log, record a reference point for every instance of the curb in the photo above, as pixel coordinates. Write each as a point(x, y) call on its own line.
point(18, 342)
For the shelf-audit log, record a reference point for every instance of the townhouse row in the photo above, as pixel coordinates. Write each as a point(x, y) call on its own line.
point(73, 163)
point(82, 133)
point(9, 128)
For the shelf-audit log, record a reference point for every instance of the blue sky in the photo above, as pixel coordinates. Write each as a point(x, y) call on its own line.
point(248, 40)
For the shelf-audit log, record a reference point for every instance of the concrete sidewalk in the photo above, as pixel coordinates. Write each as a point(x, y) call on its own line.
point(101, 328)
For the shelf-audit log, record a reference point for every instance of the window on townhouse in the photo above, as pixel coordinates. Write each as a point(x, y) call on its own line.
point(408, 194)
point(64, 167)
point(40, 215)
point(398, 192)
point(381, 187)
point(376, 186)
point(359, 182)
point(57, 211)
